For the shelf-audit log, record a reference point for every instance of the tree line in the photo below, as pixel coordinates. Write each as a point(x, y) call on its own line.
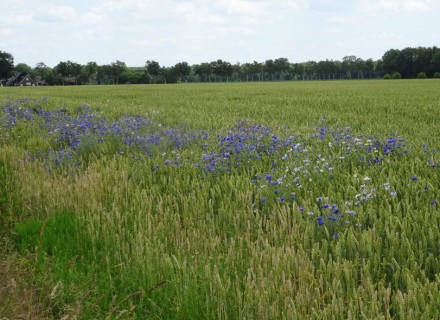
point(405, 63)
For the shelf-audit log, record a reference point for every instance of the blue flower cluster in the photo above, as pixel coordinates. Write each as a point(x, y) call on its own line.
point(75, 135)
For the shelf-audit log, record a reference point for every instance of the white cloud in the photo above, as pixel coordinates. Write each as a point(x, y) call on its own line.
point(399, 6)
point(243, 7)
point(93, 18)
point(197, 14)
point(294, 5)
point(55, 14)
point(417, 6)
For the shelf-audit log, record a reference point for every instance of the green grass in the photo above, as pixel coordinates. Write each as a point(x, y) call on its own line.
point(116, 233)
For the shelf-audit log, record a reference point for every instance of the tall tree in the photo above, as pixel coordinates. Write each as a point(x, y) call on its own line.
point(91, 71)
point(69, 71)
point(42, 71)
point(282, 68)
point(6, 65)
point(118, 69)
point(153, 69)
point(298, 71)
point(270, 69)
point(390, 61)
point(182, 70)
point(23, 67)
point(257, 69)
point(310, 70)
point(434, 64)
point(237, 72)
point(349, 66)
point(105, 74)
point(369, 68)
point(222, 69)
point(203, 71)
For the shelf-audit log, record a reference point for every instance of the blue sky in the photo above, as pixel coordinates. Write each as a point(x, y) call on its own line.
point(195, 31)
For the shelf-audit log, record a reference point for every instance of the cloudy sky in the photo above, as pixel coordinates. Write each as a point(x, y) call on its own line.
point(195, 31)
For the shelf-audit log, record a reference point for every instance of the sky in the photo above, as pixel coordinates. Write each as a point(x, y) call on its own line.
point(196, 31)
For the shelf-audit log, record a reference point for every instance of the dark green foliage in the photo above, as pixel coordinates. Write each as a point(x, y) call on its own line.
point(409, 61)
point(6, 65)
point(387, 77)
point(421, 75)
point(396, 75)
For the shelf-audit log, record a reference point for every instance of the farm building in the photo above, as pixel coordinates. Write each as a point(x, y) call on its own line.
point(21, 79)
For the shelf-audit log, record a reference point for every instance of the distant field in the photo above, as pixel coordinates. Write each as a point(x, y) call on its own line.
point(290, 200)
point(410, 106)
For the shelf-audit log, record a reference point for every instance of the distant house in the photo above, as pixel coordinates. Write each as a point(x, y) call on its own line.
point(21, 79)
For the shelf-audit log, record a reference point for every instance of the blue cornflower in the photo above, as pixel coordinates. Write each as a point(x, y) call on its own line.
point(263, 200)
point(433, 203)
point(320, 221)
point(391, 140)
point(414, 178)
point(282, 199)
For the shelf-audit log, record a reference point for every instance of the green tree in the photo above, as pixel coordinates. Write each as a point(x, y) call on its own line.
point(390, 60)
point(203, 71)
point(117, 69)
point(350, 66)
point(69, 70)
point(182, 70)
point(23, 67)
point(270, 69)
point(369, 68)
point(6, 65)
point(222, 69)
point(105, 74)
point(91, 71)
point(282, 68)
point(153, 70)
point(434, 63)
point(42, 71)
point(310, 70)
point(298, 70)
point(257, 69)
point(237, 72)
point(132, 75)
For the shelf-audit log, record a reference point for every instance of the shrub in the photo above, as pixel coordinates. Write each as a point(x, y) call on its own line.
point(437, 75)
point(396, 75)
point(421, 75)
point(387, 77)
